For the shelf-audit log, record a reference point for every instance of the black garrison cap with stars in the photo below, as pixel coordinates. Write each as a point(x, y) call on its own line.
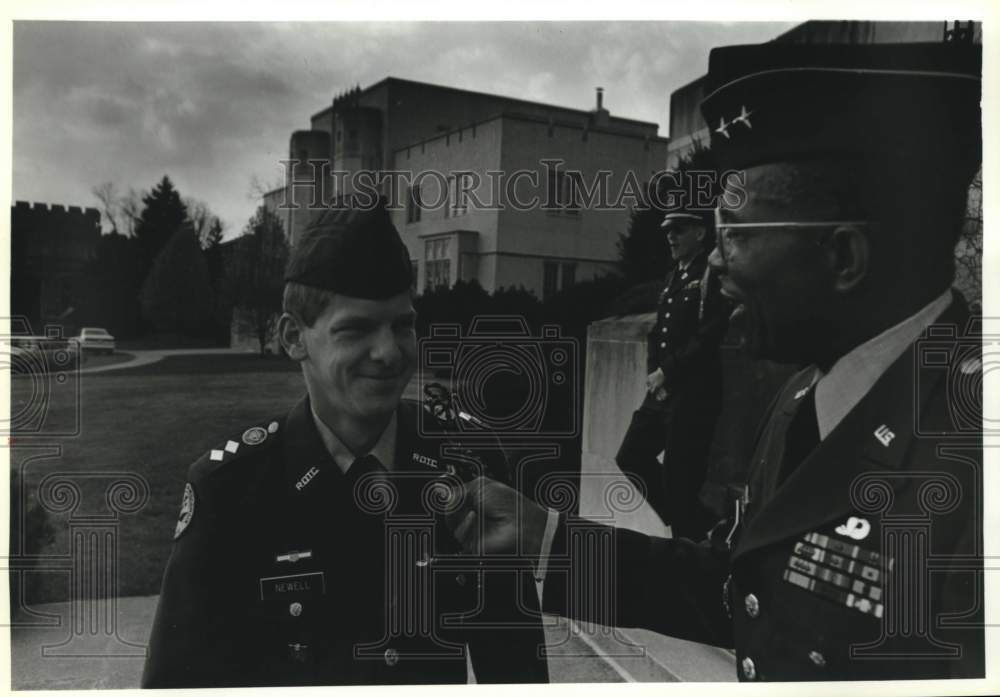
point(352, 252)
point(913, 103)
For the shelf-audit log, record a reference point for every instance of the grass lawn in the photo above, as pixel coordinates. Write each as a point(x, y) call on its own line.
point(153, 421)
point(99, 361)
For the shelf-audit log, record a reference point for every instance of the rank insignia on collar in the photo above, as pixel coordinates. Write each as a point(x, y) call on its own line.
point(187, 511)
point(254, 436)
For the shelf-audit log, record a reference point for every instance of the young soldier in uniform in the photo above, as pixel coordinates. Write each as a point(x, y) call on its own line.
point(310, 548)
point(684, 385)
point(856, 552)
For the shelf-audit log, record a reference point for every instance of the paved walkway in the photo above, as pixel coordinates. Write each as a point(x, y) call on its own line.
point(140, 358)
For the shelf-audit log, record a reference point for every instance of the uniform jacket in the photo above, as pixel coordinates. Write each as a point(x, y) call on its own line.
point(691, 321)
point(285, 571)
point(865, 563)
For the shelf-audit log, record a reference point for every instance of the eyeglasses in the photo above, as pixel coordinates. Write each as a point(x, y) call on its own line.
point(725, 233)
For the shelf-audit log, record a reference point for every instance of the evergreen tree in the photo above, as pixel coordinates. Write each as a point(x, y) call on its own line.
point(177, 296)
point(163, 214)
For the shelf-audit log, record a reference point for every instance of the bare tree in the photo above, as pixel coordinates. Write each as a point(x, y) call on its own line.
point(131, 209)
point(120, 211)
point(203, 220)
point(110, 206)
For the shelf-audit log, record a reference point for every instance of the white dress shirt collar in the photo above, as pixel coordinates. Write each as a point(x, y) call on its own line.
point(384, 449)
point(854, 374)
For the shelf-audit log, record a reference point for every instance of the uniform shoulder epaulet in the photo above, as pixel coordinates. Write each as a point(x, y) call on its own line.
point(245, 444)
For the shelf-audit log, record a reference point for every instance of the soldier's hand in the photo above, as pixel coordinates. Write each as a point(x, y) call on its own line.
point(496, 519)
point(654, 381)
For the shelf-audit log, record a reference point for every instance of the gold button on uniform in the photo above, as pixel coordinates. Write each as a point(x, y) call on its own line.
point(749, 669)
point(663, 344)
point(752, 605)
point(817, 658)
point(295, 609)
point(391, 657)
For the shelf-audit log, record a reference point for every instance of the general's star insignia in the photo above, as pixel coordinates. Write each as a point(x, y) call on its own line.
point(722, 128)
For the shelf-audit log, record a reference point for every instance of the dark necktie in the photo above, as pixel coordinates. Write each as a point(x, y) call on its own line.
point(802, 436)
point(362, 466)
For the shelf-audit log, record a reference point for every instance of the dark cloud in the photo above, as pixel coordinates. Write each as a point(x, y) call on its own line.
point(213, 104)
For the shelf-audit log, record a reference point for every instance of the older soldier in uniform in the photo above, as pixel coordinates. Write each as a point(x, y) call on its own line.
point(310, 549)
point(856, 550)
point(684, 385)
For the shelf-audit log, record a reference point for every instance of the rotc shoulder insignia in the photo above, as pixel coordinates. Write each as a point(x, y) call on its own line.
point(187, 511)
point(254, 436)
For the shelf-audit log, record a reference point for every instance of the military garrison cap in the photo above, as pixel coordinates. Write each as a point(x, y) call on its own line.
point(676, 218)
point(353, 252)
point(779, 102)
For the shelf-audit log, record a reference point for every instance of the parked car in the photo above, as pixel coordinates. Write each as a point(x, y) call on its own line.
point(96, 340)
point(37, 354)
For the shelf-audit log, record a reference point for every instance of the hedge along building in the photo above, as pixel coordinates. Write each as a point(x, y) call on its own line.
point(446, 142)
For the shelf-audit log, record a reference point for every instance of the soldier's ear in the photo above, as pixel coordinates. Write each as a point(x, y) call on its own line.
point(849, 256)
point(290, 334)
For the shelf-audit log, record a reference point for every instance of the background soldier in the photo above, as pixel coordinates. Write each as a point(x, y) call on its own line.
point(684, 385)
point(306, 552)
point(856, 552)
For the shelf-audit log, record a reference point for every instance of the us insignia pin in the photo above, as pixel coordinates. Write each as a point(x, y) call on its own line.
point(254, 436)
point(884, 435)
point(187, 511)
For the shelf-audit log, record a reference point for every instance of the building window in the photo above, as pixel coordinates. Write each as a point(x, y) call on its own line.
point(550, 279)
point(564, 192)
point(415, 267)
point(437, 263)
point(414, 205)
point(458, 195)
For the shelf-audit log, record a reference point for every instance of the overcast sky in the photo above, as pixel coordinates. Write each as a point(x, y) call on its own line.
point(213, 105)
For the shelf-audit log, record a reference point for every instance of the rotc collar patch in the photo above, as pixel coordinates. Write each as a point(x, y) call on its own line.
point(254, 436)
point(187, 511)
point(424, 460)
